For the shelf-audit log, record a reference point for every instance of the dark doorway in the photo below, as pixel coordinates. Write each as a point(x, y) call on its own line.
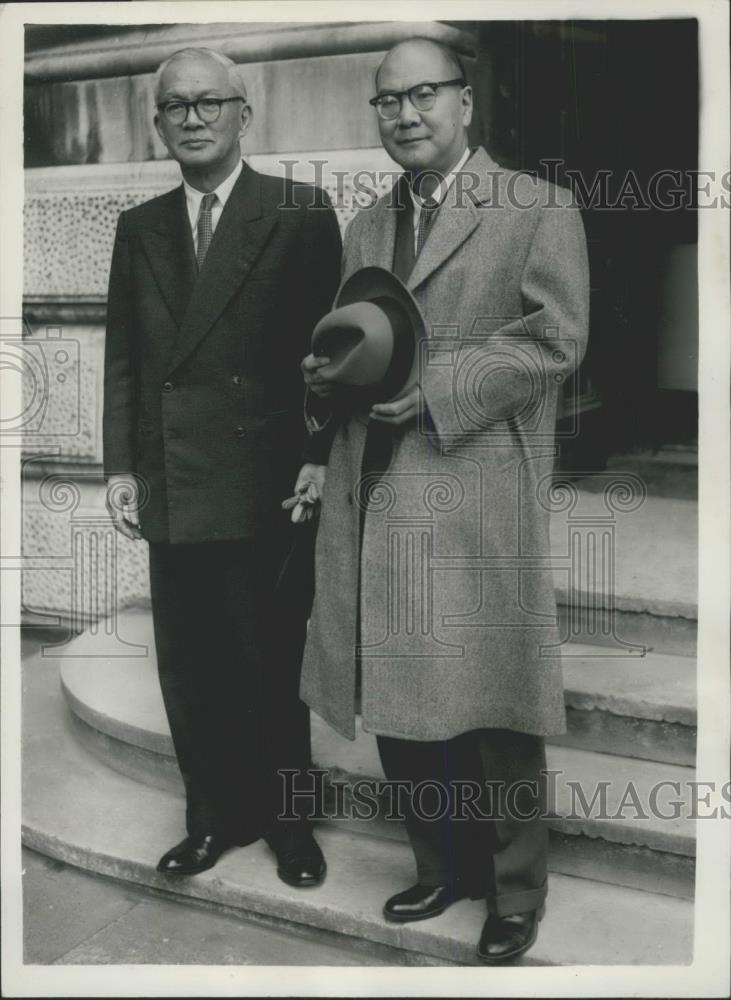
point(570, 100)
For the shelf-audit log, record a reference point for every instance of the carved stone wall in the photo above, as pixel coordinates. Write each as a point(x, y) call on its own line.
point(70, 213)
point(74, 562)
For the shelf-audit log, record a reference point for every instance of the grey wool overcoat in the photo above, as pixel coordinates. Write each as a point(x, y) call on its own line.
point(448, 601)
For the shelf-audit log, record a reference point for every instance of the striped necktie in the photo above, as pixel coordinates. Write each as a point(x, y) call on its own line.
point(205, 227)
point(426, 215)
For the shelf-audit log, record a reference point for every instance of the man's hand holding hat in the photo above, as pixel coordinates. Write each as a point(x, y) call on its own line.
point(365, 351)
point(400, 410)
point(316, 382)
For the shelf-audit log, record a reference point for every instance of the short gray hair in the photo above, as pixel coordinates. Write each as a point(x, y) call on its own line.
point(234, 72)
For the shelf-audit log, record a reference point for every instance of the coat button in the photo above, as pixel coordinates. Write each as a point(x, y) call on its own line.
point(237, 380)
point(167, 387)
point(240, 431)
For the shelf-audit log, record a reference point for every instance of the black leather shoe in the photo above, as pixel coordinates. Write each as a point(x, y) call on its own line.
point(194, 854)
point(420, 902)
point(504, 938)
point(300, 861)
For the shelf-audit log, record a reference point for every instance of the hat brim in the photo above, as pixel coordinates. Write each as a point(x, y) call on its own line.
point(376, 283)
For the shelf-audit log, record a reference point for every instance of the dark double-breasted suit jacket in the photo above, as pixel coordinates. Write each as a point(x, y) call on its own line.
point(203, 390)
point(203, 404)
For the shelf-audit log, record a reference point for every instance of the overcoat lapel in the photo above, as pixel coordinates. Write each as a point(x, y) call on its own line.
point(163, 242)
point(452, 226)
point(242, 232)
point(456, 220)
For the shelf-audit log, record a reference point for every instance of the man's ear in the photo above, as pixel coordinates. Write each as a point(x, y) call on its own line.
point(467, 105)
point(247, 116)
point(158, 128)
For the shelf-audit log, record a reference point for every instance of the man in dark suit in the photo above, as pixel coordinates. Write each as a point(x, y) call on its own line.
point(214, 290)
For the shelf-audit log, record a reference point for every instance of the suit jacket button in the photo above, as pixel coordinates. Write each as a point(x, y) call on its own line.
point(237, 380)
point(240, 431)
point(167, 387)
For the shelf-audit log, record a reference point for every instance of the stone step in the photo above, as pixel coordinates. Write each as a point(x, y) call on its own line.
point(646, 560)
point(574, 850)
point(644, 569)
point(616, 839)
point(120, 718)
point(643, 707)
point(630, 633)
point(79, 811)
point(621, 814)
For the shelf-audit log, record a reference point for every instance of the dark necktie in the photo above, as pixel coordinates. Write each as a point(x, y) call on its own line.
point(205, 227)
point(428, 209)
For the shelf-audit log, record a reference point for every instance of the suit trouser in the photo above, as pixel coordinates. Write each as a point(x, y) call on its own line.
point(481, 843)
point(229, 639)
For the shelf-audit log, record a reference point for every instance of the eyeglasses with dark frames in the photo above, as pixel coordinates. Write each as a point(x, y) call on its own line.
point(421, 95)
point(208, 109)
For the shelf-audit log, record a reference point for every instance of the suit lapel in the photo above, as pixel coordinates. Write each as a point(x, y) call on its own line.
point(174, 271)
point(240, 235)
point(458, 217)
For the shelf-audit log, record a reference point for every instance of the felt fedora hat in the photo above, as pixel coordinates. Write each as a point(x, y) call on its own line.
point(371, 336)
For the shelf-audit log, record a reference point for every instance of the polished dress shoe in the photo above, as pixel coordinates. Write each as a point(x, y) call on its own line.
point(195, 854)
point(300, 861)
point(420, 902)
point(504, 938)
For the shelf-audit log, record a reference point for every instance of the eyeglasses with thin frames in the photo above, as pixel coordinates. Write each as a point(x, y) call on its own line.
point(422, 95)
point(208, 109)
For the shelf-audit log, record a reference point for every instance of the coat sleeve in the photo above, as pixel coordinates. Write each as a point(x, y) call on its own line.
point(494, 375)
point(119, 368)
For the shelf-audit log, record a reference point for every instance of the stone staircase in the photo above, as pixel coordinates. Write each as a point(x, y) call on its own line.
point(102, 791)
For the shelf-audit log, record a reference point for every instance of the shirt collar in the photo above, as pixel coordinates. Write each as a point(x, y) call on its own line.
point(194, 197)
point(440, 191)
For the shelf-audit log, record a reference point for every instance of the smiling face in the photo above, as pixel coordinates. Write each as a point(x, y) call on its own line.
point(202, 149)
point(424, 140)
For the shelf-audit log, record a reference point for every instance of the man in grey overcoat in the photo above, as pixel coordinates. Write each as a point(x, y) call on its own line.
point(433, 577)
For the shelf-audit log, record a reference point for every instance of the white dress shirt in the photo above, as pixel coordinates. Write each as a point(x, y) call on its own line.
point(193, 199)
point(439, 192)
